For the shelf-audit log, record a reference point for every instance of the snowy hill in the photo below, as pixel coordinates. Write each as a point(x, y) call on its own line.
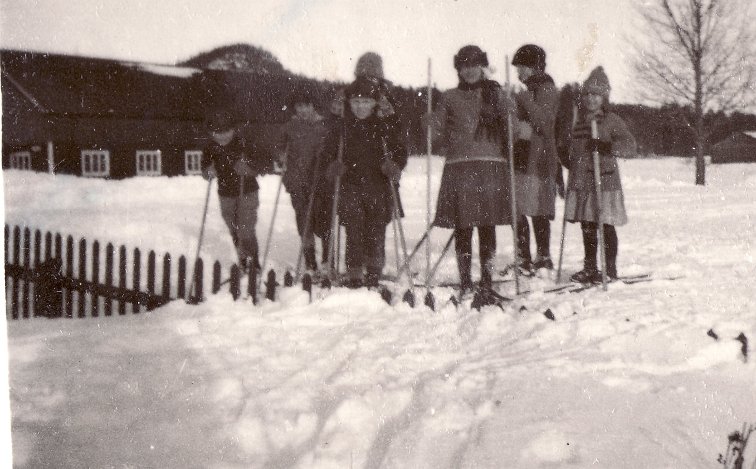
point(628, 378)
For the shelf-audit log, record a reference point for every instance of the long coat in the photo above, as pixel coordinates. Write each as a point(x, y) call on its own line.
point(580, 203)
point(302, 140)
point(475, 189)
point(538, 164)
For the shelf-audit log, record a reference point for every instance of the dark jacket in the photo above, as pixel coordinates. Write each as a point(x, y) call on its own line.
point(223, 159)
point(538, 107)
point(302, 140)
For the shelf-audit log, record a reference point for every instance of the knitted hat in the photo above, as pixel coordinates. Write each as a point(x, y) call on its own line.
point(369, 65)
point(362, 87)
point(220, 120)
point(470, 55)
point(530, 55)
point(598, 83)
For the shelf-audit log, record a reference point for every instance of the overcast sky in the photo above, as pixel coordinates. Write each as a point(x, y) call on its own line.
point(323, 38)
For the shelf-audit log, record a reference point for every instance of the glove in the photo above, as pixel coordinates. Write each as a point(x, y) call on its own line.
point(385, 108)
point(602, 147)
point(522, 130)
point(242, 168)
point(209, 173)
point(335, 169)
point(391, 170)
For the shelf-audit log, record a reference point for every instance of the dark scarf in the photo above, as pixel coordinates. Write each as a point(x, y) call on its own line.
point(490, 122)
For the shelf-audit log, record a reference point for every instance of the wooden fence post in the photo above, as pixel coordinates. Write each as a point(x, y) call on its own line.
point(234, 283)
point(48, 246)
point(109, 252)
point(216, 277)
point(137, 277)
point(182, 278)
point(122, 280)
point(69, 274)
point(16, 261)
point(82, 290)
point(95, 293)
point(150, 279)
point(27, 281)
point(166, 290)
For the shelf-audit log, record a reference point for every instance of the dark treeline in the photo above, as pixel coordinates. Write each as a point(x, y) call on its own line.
point(258, 85)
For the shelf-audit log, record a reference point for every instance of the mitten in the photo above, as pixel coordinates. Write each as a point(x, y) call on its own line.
point(209, 173)
point(242, 168)
point(391, 170)
point(601, 146)
point(335, 169)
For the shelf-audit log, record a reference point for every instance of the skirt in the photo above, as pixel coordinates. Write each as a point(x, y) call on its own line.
point(581, 206)
point(536, 197)
point(474, 193)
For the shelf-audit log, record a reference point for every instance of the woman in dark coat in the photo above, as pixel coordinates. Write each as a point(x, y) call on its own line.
point(614, 140)
point(471, 122)
point(536, 161)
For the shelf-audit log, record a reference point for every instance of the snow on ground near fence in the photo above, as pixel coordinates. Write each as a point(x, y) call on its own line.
point(624, 379)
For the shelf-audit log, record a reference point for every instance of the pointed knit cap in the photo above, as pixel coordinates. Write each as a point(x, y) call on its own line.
point(597, 82)
point(369, 65)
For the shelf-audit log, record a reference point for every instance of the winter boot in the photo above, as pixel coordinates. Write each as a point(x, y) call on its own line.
point(311, 262)
point(543, 262)
point(372, 277)
point(464, 265)
point(589, 274)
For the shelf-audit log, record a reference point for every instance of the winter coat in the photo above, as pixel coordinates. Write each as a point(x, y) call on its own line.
point(224, 157)
point(302, 141)
point(455, 121)
point(611, 128)
point(536, 160)
point(363, 154)
point(580, 200)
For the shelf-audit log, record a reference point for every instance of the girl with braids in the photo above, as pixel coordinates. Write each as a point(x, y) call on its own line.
point(475, 192)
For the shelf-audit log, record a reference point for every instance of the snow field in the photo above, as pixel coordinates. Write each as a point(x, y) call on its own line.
point(624, 378)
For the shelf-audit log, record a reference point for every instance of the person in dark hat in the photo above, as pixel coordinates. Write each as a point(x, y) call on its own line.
point(581, 203)
point(228, 157)
point(535, 156)
point(475, 192)
point(373, 158)
point(298, 147)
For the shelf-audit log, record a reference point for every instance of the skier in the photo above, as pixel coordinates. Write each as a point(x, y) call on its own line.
point(228, 157)
point(373, 158)
point(475, 190)
point(535, 156)
point(614, 140)
point(298, 147)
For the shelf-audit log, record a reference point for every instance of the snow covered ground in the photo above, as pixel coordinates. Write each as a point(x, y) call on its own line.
point(627, 378)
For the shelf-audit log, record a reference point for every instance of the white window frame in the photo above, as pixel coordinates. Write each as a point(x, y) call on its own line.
point(149, 163)
point(20, 160)
point(192, 162)
point(95, 163)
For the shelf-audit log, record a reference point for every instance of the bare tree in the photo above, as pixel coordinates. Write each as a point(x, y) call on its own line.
point(698, 53)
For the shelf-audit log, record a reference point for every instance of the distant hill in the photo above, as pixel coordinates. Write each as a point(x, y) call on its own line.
point(239, 57)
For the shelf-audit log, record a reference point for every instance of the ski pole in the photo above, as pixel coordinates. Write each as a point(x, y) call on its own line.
point(429, 143)
point(201, 235)
point(512, 189)
point(599, 217)
point(395, 199)
point(332, 269)
point(270, 230)
point(566, 194)
point(432, 272)
point(416, 249)
point(308, 220)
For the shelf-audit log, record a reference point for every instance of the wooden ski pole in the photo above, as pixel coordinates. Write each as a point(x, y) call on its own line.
point(429, 143)
point(599, 215)
point(566, 194)
point(417, 247)
point(270, 231)
point(429, 278)
point(201, 235)
point(308, 221)
point(333, 241)
point(512, 188)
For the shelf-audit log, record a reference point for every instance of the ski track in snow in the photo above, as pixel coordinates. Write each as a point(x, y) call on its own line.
point(624, 378)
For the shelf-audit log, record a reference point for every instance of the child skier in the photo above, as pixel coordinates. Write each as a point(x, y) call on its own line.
point(372, 160)
point(298, 148)
point(535, 156)
point(227, 157)
point(614, 140)
point(475, 189)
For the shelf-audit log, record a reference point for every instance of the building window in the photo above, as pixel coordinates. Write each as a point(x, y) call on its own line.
point(20, 160)
point(148, 163)
point(192, 162)
point(95, 163)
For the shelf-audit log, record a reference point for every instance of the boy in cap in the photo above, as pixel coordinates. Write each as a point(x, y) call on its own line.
point(373, 158)
point(299, 147)
point(227, 157)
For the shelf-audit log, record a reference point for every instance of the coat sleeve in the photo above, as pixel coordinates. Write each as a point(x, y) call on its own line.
point(540, 107)
point(623, 142)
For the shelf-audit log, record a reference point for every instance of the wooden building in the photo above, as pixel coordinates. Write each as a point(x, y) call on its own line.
point(738, 147)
